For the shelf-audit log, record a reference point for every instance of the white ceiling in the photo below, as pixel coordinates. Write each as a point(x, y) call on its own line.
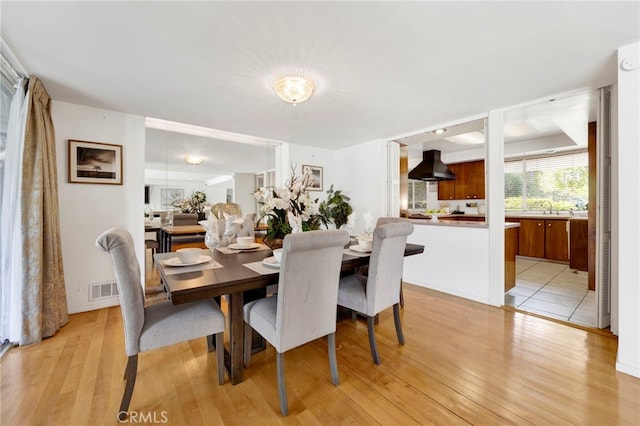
point(383, 70)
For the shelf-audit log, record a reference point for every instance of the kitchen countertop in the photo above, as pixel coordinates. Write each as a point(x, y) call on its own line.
point(460, 223)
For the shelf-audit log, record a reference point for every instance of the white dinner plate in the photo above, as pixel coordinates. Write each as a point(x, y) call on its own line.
point(271, 261)
point(175, 261)
point(240, 247)
point(359, 249)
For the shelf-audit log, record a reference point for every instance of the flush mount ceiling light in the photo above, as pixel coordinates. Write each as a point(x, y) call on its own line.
point(294, 89)
point(194, 160)
point(439, 131)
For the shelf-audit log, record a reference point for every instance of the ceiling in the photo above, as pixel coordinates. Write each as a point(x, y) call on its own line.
point(383, 70)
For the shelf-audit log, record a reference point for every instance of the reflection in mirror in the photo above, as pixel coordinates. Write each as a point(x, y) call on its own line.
point(225, 171)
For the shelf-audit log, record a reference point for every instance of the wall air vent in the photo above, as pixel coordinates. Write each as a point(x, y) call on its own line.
point(101, 291)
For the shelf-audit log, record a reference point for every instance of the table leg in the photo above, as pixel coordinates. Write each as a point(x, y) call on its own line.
point(236, 337)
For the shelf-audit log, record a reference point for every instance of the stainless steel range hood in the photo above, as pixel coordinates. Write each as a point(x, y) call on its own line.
point(431, 168)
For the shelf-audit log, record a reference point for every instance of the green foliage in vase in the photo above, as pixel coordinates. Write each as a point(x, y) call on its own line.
point(336, 209)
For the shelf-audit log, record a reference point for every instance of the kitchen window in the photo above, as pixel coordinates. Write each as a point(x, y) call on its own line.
point(561, 179)
point(418, 194)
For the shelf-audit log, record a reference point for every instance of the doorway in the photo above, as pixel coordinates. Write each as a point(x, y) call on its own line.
point(560, 130)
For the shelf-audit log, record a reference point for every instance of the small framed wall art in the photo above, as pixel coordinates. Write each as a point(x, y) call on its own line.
point(316, 177)
point(94, 162)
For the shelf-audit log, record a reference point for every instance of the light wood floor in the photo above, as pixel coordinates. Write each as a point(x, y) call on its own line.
point(464, 363)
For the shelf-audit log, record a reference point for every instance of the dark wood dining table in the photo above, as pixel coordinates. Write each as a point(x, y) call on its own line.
point(234, 279)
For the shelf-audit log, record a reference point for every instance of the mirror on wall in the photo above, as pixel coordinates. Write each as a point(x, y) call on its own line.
point(178, 164)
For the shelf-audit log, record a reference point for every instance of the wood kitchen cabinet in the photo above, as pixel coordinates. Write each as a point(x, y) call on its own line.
point(468, 185)
point(579, 235)
point(544, 238)
point(447, 188)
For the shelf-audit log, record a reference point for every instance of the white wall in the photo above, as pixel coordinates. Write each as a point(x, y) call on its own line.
point(87, 210)
point(455, 260)
point(626, 238)
point(361, 173)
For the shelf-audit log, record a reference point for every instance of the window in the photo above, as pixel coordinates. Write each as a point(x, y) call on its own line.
point(418, 194)
point(561, 179)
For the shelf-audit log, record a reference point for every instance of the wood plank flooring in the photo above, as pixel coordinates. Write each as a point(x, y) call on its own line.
point(464, 363)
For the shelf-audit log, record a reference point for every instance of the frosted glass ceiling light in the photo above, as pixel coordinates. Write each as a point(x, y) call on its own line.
point(294, 89)
point(193, 160)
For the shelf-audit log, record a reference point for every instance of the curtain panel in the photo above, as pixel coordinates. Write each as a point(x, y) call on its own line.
point(44, 301)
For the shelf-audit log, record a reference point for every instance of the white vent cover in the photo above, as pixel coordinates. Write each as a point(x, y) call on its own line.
point(102, 290)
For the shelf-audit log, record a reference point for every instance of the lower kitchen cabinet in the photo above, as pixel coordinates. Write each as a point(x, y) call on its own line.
point(579, 236)
point(547, 239)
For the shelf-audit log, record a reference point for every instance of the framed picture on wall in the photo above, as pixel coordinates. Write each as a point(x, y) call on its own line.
point(94, 162)
point(316, 177)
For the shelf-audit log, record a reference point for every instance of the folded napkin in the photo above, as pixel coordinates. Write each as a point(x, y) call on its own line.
point(261, 268)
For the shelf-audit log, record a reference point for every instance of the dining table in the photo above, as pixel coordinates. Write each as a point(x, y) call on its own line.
point(169, 232)
point(238, 274)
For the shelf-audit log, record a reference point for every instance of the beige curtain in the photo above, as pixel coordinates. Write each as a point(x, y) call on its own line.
point(44, 300)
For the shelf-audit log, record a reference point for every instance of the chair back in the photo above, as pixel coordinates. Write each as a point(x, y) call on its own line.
point(183, 219)
point(383, 220)
point(308, 287)
point(219, 209)
point(119, 244)
point(385, 265)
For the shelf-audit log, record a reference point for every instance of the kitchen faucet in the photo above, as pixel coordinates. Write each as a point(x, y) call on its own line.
point(550, 206)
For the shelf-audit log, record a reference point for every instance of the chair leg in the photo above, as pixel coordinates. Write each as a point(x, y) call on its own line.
point(372, 339)
point(211, 345)
point(282, 391)
point(333, 362)
point(248, 334)
point(220, 357)
point(130, 373)
point(396, 319)
point(401, 295)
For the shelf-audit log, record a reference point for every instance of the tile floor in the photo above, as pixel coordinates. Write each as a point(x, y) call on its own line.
point(553, 290)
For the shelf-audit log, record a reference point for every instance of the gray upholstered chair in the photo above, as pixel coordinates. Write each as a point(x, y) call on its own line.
point(383, 220)
point(157, 325)
point(380, 290)
point(305, 307)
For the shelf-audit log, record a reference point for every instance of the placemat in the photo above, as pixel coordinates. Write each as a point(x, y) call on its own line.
point(261, 268)
point(356, 253)
point(172, 270)
point(227, 250)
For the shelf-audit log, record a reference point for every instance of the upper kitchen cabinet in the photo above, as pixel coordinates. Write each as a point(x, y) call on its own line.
point(468, 185)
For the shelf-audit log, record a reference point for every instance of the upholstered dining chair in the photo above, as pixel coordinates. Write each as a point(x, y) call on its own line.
point(157, 325)
point(182, 219)
point(383, 220)
point(380, 289)
point(304, 308)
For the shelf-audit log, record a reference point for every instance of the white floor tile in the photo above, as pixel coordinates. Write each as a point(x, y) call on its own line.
point(514, 300)
point(569, 301)
point(549, 307)
point(564, 291)
point(523, 290)
point(553, 290)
